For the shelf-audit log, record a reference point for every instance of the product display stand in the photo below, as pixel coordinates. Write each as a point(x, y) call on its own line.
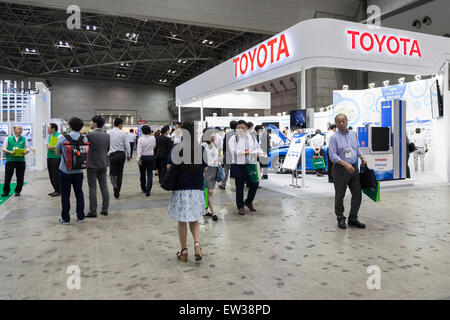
point(295, 179)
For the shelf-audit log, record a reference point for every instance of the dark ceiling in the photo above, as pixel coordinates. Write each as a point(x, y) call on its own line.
point(36, 42)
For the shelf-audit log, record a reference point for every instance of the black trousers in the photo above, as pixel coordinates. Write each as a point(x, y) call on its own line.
point(240, 178)
point(131, 148)
point(342, 179)
point(161, 166)
point(116, 164)
point(9, 172)
point(146, 173)
point(53, 173)
point(330, 167)
point(67, 182)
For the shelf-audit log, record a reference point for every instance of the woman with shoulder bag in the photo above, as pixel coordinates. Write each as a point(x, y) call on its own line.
point(187, 202)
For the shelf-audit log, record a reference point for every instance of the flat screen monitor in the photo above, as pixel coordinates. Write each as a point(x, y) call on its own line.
point(266, 124)
point(437, 105)
point(380, 139)
point(298, 118)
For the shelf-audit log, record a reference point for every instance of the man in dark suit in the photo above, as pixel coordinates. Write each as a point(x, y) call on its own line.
point(97, 166)
point(163, 146)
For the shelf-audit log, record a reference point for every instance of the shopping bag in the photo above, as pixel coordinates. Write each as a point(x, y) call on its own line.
point(252, 171)
point(258, 165)
point(220, 175)
point(206, 198)
point(318, 162)
point(367, 178)
point(373, 193)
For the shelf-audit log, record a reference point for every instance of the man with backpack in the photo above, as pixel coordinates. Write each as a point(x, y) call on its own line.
point(74, 159)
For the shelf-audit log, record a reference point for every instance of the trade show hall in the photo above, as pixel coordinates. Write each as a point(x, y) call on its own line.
point(290, 248)
point(222, 150)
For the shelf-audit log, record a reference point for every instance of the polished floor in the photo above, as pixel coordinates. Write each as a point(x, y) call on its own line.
point(290, 248)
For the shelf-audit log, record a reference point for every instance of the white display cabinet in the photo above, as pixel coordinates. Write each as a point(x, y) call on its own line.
point(29, 107)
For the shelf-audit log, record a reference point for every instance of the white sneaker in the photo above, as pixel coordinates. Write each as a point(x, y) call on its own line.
point(61, 221)
point(80, 221)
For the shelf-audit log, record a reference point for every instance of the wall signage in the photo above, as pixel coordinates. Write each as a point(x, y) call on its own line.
point(373, 42)
point(266, 54)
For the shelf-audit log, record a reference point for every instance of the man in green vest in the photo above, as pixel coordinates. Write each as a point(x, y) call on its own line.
point(53, 160)
point(15, 148)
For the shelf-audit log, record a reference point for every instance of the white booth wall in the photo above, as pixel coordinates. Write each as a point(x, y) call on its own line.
point(363, 107)
point(34, 117)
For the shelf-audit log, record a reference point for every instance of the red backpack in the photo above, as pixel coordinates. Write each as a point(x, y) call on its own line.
point(77, 153)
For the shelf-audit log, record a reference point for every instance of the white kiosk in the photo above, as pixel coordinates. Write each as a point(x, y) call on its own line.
point(30, 106)
point(335, 44)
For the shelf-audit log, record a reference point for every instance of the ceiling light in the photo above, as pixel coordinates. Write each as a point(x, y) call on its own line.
point(418, 77)
point(210, 42)
point(204, 41)
point(94, 28)
point(63, 44)
point(401, 80)
point(88, 28)
point(345, 87)
point(372, 85)
point(29, 51)
point(386, 83)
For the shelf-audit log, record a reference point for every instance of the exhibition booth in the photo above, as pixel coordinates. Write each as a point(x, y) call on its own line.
point(29, 105)
point(383, 116)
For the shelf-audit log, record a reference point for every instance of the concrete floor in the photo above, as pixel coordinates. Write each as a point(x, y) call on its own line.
point(290, 248)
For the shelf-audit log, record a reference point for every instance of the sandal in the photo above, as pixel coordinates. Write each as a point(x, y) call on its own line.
point(181, 256)
point(198, 254)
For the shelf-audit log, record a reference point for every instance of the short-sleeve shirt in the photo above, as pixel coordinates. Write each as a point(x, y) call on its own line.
point(59, 146)
point(188, 178)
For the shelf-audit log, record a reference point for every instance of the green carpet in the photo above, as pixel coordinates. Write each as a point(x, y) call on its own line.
point(13, 187)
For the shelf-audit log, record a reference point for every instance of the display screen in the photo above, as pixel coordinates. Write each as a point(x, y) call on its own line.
point(298, 118)
point(437, 109)
point(380, 139)
point(266, 124)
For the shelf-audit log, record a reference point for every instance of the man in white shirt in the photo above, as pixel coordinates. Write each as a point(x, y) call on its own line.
point(242, 148)
point(131, 139)
point(218, 142)
point(177, 134)
point(119, 149)
point(331, 130)
point(145, 158)
point(422, 147)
